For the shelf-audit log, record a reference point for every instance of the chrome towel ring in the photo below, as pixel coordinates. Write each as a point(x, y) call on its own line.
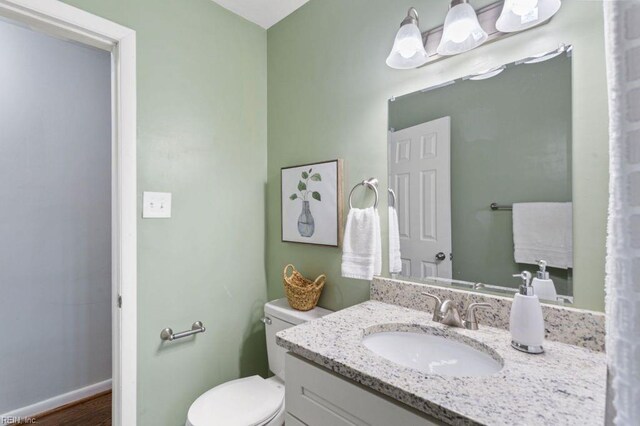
point(372, 183)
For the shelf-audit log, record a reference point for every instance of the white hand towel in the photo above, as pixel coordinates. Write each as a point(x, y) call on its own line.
point(543, 231)
point(361, 247)
point(395, 262)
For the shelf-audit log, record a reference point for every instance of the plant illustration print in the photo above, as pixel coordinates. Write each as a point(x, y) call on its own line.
point(306, 224)
point(303, 187)
point(311, 203)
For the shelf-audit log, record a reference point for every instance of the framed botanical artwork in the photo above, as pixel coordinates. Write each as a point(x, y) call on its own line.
point(312, 203)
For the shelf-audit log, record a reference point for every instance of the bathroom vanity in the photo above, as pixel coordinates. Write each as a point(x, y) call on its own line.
point(338, 378)
point(480, 183)
point(318, 396)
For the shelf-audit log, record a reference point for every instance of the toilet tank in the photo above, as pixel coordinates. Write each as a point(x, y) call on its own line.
point(280, 316)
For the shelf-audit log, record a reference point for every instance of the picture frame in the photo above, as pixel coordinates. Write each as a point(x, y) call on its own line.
point(312, 203)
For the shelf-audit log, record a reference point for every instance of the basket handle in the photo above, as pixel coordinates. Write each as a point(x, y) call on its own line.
point(293, 269)
point(319, 282)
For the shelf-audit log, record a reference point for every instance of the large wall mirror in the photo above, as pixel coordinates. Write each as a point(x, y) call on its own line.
point(480, 176)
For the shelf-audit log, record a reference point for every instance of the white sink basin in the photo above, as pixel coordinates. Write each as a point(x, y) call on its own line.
point(431, 354)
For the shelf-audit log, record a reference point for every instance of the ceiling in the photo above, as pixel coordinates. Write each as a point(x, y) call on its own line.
point(262, 12)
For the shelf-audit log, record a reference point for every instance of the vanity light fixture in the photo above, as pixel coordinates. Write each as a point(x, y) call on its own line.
point(462, 31)
point(465, 29)
point(518, 15)
point(408, 48)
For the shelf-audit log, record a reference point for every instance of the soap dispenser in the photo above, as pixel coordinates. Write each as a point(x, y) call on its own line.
point(542, 285)
point(527, 323)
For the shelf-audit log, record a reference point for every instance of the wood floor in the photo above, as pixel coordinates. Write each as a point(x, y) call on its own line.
point(95, 411)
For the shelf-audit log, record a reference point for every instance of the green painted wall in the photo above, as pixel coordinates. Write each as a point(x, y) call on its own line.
point(328, 88)
point(510, 142)
point(202, 130)
point(202, 134)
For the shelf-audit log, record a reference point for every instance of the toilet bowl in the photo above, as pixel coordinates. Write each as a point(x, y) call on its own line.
point(251, 401)
point(254, 401)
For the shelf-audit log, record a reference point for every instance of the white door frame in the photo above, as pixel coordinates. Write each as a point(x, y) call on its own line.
point(64, 21)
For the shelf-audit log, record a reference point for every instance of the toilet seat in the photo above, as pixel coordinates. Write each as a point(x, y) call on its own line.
point(251, 401)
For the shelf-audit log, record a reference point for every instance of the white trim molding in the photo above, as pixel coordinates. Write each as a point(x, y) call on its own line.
point(56, 401)
point(63, 21)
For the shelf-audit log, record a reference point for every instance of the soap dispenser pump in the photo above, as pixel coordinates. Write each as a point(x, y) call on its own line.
point(527, 323)
point(542, 285)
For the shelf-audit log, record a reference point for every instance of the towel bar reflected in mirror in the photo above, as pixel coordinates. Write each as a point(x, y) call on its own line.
point(392, 198)
point(496, 206)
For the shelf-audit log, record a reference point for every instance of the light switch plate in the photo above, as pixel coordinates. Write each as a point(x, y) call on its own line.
point(156, 205)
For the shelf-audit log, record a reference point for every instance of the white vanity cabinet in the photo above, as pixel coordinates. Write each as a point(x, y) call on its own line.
point(315, 396)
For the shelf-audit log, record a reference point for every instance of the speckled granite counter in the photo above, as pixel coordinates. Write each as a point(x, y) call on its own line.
point(563, 386)
point(563, 324)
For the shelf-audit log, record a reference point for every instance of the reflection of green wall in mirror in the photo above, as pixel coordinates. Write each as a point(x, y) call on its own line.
point(510, 142)
point(328, 88)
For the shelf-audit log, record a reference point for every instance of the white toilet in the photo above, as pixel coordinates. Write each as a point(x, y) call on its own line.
point(253, 401)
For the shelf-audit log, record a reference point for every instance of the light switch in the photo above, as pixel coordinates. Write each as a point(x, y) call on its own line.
point(156, 205)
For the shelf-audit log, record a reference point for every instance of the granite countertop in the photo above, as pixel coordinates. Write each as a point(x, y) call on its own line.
point(565, 385)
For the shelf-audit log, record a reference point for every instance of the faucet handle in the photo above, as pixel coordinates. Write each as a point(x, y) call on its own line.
point(436, 308)
point(470, 321)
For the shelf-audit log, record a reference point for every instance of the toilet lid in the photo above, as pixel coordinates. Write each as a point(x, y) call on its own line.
point(250, 401)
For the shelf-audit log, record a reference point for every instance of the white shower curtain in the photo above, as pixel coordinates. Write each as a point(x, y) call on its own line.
point(622, 41)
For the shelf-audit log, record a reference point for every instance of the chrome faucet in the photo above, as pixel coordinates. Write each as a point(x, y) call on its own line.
point(447, 313)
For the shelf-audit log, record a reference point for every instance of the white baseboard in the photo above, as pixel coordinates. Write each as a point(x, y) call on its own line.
point(59, 400)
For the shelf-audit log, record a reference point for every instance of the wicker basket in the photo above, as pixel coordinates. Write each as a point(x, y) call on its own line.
point(302, 294)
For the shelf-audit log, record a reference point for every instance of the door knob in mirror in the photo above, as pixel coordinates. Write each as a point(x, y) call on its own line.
point(441, 256)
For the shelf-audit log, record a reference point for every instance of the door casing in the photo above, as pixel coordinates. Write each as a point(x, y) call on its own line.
point(67, 22)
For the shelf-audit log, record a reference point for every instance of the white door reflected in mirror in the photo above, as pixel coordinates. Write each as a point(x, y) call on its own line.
point(420, 174)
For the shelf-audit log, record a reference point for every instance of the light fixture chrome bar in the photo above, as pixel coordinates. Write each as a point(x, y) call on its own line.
point(487, 17)
point(412, 17)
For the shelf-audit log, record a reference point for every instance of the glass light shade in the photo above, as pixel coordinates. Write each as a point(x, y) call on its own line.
point(518, 15)
point(462, 31)
point(408, 50)
point(523, 7)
